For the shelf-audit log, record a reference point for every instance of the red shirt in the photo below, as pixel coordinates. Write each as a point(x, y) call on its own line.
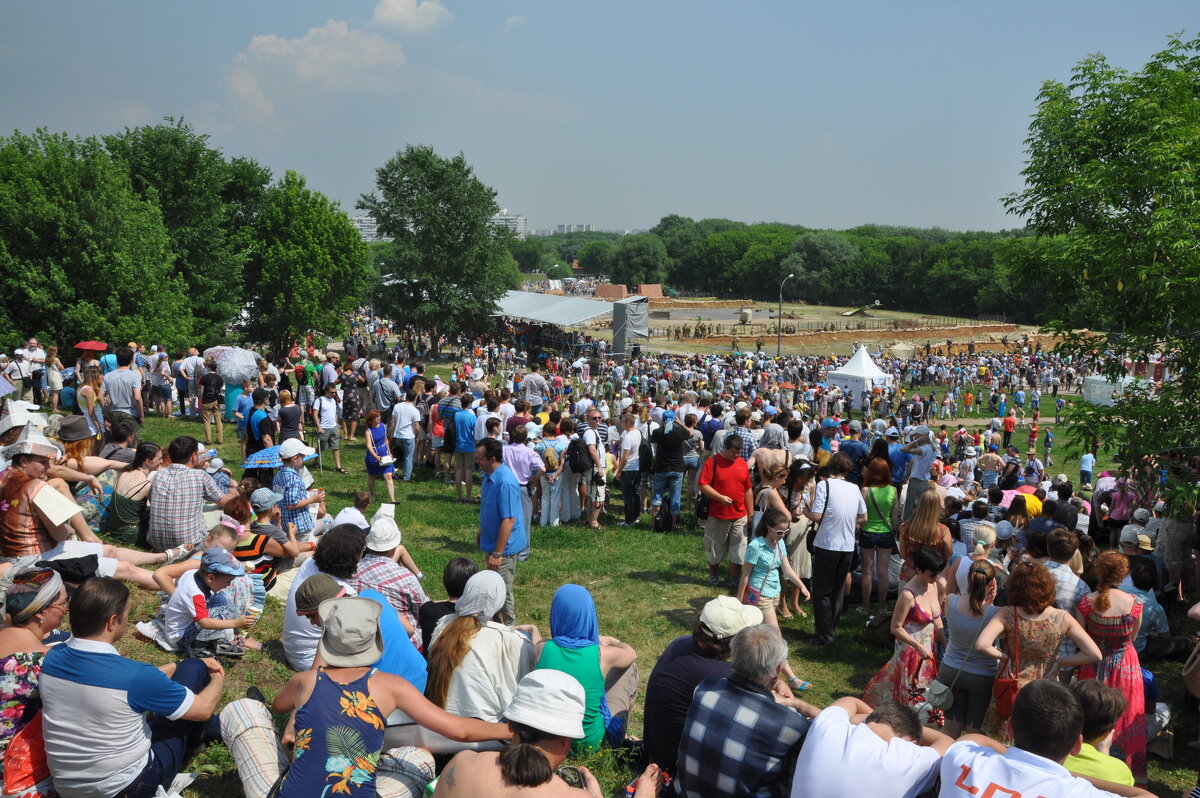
point(728, 479)
point(1009, 423)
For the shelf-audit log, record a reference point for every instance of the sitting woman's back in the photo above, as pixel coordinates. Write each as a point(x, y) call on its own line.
point(475, 663)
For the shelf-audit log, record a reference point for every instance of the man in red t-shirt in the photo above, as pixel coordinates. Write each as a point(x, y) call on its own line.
point(725, 481)
point(1009, 424)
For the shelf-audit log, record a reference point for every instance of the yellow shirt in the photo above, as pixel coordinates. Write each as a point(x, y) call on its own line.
point(1091, 762)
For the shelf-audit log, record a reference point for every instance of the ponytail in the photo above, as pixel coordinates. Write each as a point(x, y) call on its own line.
point(523, 764)
point(1111, 568)
point(980, 576)
point(446, 654)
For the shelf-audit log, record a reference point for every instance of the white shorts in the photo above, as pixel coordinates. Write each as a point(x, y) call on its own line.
point(70, 549)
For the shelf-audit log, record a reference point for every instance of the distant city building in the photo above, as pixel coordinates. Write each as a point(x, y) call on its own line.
point(367, 228)
point(519, 225)
point(575, 228)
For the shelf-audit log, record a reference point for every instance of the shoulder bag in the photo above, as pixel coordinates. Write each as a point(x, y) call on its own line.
point(1004, 689)
point(701, 507)
point(940, 694)
point(810, 542)
point(887, 517)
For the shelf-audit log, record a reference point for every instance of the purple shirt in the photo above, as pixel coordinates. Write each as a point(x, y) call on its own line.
point(523, 461)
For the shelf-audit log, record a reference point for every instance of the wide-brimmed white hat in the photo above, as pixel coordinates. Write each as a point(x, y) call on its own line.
point(725, 616)
point(32, 441)
point(550, 701)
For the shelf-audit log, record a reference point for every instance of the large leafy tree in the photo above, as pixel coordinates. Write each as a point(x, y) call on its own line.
point(81, 254)
point(449, 265)
point(173, 166)
point(307, 268)
point(1113, 171)
point(639, 259)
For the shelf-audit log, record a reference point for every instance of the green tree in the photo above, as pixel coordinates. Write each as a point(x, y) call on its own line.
point(450, 265)
point(81, 255)
point(173, 166)
point(527, 253)
point(1112, 167)
point(639, 259)
point(558, 272)
point(596, 257)
point(307, 268)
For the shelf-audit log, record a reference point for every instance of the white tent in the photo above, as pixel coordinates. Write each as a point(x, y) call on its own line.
point(859, 374)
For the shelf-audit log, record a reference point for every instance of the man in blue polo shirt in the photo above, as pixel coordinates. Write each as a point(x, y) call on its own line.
point(113, 727)
point(501, 519)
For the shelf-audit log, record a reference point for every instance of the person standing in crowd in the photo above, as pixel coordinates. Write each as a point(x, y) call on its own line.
point(212, 388)
point(594, 437)
point(969, 674)
point(325, 417)
point(838, 510)
point(877, 539)
point(35, 357)
point(725, 482)
point(629, 469)
point(379, 460)
point(464, 448)
point(670, 443)
point(405, 429)
point(502, 534)
point(920, 448)
point(123, 389)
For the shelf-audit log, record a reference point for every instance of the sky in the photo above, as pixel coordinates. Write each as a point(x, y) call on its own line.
point(827, 115)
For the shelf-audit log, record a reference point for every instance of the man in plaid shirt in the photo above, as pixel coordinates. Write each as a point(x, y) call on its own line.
point(293, 507)
point(1061, 545)
point(737, 741)
point(178, 495)
point(741, 420)
point(378, 570)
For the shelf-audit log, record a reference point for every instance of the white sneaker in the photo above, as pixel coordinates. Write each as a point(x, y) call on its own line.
point(152, 630)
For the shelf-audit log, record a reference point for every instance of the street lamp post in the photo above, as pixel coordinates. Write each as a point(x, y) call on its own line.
point(779, 318)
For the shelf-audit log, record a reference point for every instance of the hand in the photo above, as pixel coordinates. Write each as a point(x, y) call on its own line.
point(590, 783)
point(723, 499)
point(924, 652)
point(95, 487)
point(214, 667)
point(288, 739)
point(494, 562)
point(244, 621)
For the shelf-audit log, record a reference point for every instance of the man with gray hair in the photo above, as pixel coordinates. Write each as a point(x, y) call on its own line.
point(738, 739)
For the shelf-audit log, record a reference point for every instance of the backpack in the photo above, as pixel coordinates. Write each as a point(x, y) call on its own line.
point(448, 441)
point(549, 457)
point(578, 456)
point(645, 457)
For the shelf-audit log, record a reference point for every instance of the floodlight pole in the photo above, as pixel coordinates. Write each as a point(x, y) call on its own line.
point(779, 319)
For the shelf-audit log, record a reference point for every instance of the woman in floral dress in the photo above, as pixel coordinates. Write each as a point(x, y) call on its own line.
point(351, 406)
point(1112, 618)
point(1032, 628)
point(916, 625)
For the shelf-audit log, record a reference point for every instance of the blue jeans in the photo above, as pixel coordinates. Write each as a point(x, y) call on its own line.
point(672, 480)
point(173, 741)
point(404, 453)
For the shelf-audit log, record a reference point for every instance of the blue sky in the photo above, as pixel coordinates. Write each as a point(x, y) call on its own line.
point(616, 113)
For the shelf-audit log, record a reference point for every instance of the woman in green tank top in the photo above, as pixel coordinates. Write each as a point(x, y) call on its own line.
point(877, 538)
point(603, 665)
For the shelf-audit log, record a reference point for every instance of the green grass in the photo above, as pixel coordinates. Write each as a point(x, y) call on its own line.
point(648, 589)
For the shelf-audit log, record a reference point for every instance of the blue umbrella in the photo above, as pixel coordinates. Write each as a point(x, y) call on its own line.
point(269, 458)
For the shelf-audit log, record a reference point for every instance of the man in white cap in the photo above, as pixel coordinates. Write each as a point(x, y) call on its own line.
point(380, 569)
point(296, 496)
point(687, 661)
point(546, 716)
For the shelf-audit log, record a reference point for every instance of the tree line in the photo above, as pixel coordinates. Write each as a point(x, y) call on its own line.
point(153, 235)
point(926, 270)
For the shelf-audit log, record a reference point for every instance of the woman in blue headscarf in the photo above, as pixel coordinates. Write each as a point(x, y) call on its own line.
point(605, 666)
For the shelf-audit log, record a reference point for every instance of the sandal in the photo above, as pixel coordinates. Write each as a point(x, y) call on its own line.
point(342, 471)
point(178, 553)
point(799, 684)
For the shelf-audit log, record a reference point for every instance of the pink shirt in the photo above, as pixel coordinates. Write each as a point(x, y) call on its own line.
point(523, 461)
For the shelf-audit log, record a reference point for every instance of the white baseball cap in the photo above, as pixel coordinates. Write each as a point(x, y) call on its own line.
point(292, 447)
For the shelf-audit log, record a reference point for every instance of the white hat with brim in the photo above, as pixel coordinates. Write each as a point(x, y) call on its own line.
point(352, 638)
point(550, 701)
point(292, 447)
point(384, 535)
point(31, 441)
point(725, 616)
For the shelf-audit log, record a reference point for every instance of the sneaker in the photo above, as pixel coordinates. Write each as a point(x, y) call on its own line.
point(153, 631)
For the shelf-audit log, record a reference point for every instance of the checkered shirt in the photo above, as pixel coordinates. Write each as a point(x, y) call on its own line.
point(737, 742)
point(749, 444)
point(289, 482)
point(401, 587)
point(1069, 590)
point(177, 500)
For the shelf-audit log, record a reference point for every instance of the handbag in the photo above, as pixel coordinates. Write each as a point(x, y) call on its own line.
point(941, 695)
point(386, 460)
point(1004, 690)
point(810, 542)
point(753, 594)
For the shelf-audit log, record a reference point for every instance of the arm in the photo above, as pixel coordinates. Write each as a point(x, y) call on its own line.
point(506, 526)
point(137, 403)
point(615, 655)
point(166, 576)
point(233, 623)
point(986, 644)
point(749, 504)
point(1088, 652)
point(427, 714)
point(904, 603)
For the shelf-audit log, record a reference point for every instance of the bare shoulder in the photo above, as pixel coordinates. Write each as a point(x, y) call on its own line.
point(466, 771)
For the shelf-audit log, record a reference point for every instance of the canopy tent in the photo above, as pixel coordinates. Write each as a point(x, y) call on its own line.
point(903, 350)
point(561, 311)
point(859, 374)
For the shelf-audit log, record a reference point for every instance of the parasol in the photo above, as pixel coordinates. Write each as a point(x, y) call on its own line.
point(234, 364)
point(269, 458)
point(96, 346)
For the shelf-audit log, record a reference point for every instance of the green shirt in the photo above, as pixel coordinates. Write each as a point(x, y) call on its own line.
point(878, 520)
point(1091, 762)
point(584, 665)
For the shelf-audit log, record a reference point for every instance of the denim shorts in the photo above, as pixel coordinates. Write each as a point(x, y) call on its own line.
point(876, 540)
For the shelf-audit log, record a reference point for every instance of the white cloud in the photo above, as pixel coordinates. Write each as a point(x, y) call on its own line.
point(515, 22)
point(331, 56)
point(413, 15)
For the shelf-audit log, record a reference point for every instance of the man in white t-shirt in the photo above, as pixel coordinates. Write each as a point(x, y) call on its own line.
point(629, 469)
point(35, 356)
point(1046, 727)
point(838, 509)
point(406, 425)
point(883, 753)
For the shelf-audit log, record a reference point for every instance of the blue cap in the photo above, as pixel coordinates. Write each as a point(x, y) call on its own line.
point(668, 415)
point(219, 561)
point(827, 423)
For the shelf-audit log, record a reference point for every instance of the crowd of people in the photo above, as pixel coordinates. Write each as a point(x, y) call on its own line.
point(1026, 604)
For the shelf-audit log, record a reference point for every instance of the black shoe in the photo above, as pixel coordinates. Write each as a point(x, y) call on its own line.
point(254, 693)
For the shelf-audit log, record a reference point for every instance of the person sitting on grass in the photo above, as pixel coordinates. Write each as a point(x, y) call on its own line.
point(454, 580)
point(1102, 707)
point(606, 667)
point(339, 716)
point(546, 716)
point(199, 618)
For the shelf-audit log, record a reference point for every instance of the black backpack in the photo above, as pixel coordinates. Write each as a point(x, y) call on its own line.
point(448, 436)
point(578, 457)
